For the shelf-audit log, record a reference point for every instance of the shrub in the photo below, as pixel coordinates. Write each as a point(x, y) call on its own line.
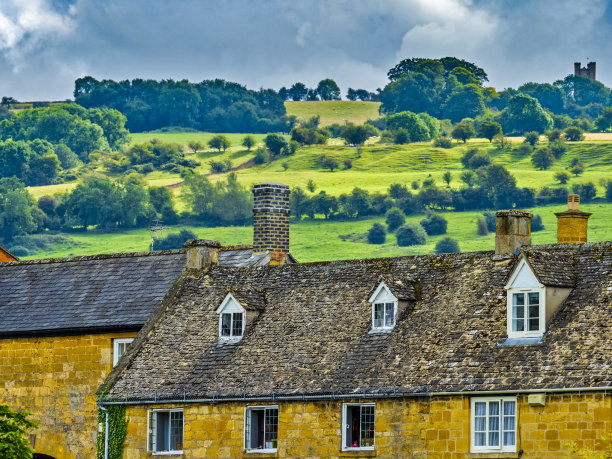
point(428, 182)
point(577, 170)
point(609, 191)
point(328, 162)
point(285, 165)
point(490, 219)
point(554, 134)
point(401, 136)
point(480, 159)
point(481, 227)
point(415, 185)
point(218, 167)
point(261, 156)
point(542, 158)
point(434, 225)
point(536, 223)
point(532, 138)
point(348, 163)
point(174, 241)
point(557, 148)
point(573, 134)
point(524, 149)
point(447, 245)
point(465, 159)
point(394, 218)
point(587, 191)
point(410, 235)
point(562, 177)
point(377, 234)
point(19, 251)
point(442, 142)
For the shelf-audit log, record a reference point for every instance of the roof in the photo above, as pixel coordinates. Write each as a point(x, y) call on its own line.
point(553, 268)
point(5, 255)
point(312, 337)
point(95, 293)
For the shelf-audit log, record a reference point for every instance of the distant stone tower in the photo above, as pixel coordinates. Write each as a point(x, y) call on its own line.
point(588, 72)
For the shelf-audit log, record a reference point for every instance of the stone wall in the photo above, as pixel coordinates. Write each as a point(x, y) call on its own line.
point(437, 427)
point(56, 378)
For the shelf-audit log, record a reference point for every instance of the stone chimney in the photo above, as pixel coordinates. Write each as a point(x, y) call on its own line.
point(572, 224)
point(512, 231)
point(271, 220)
point(201, 253)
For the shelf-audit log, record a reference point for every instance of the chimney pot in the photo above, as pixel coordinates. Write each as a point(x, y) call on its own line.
point(201, 253)
point(512, 231)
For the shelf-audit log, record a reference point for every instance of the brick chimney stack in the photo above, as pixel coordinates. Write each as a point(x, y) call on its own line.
point(271, 220)
point(572, 224)
point(512, 231)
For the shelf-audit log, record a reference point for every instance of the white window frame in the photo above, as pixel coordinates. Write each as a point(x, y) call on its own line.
point(247, 433)
point(345, 407)
point(513, 287)
point(116, 343)
point(231, 306)
point(150, 447)
point(501, 448)
point(383, 295)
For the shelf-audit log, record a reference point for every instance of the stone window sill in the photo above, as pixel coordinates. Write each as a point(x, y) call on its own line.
point(491, 455)
point(361, 453)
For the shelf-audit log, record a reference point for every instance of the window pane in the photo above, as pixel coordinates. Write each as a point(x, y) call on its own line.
point(389, 314)
point(534, 298)
point(237, 324)
point(353, 426)
point(271, 427)
point(519, 299)
point(480, 408)
point(379, 309)
point(493, 423)
point(480, 439)
point(509, 423)
point(366, 430)
point(226, 320)
point(163, 431)
point(176, 431)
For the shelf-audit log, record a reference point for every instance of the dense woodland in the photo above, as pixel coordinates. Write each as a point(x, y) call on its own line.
point(424, 100)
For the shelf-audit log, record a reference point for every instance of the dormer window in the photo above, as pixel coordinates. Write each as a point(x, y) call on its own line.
point(526, 312)
point(231, 319)
point(384, 309)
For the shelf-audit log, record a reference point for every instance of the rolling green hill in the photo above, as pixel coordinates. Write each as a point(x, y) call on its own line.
point(334, 111)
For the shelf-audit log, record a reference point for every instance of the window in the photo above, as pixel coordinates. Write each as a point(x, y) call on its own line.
point(526, 308)
point(261, 428)
point(120, 346)
point(231, 319)
point(166, 431)
point(493, 424)
point(358, 426)
point(384, 309)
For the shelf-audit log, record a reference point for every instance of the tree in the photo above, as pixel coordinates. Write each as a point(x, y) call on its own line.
point(327, 162)
point(220, 142)
point(481, 227)
point(573, 134)
point(248, 141)
point(498, 185)
point(463, 130)
point(16, 203)
point(195, 146)
point(447, 245)
point(542, 158)
point(447, 177)
point(548, 95)
point(532, 138)
point(562, 177)
point(355, 135)
point(174, 241)
point(524, 113)
point(604, 121)
point(465, 101)
point(311, 185)
point(14, 426)
point(394, 218)
point(275, 143)
point(469, 178)
point(328, 90)
point(577, 170)
point(298, 203)
point(416, 127)
point(377, 234)
point(298, 91)
point(489, 129)
point(407, 235)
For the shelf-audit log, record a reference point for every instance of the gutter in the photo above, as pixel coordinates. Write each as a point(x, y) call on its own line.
point(333, 396)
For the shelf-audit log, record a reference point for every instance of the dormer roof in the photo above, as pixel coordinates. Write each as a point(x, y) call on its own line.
point(553, 267)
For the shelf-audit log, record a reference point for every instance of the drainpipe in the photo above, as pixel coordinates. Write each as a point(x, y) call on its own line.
point(105, 432)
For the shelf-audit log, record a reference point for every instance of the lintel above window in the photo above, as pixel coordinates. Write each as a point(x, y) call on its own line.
point(384, 309)
point(232, 319)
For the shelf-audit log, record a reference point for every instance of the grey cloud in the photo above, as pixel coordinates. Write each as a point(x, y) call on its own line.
point(272, 43)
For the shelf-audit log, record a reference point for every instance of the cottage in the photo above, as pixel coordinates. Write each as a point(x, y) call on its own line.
point(66, 322)
point(473, 355)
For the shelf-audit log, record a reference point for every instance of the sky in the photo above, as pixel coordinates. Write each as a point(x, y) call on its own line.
point(46, 44)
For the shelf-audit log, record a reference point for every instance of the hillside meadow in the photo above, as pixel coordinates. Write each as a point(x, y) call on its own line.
point(317, 240)
point(334, 111)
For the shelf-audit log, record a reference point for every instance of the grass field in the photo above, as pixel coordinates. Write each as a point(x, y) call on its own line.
point(322, 240)
point(334, 111)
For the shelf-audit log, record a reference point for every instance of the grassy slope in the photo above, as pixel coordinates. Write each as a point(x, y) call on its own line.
point(318, 240)
point(334, 111)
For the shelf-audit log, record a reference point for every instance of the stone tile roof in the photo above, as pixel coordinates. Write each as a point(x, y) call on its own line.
point(553, 266)
point(100, 292)
point(313, 335)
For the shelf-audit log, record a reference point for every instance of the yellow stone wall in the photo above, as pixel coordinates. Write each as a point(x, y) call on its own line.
point(56, 378)
point(572, 227)
point(437, 427)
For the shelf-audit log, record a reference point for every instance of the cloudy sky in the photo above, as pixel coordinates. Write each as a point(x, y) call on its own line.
point(46, 44)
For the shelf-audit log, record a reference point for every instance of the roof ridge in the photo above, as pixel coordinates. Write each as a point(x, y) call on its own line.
point(100, 256)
